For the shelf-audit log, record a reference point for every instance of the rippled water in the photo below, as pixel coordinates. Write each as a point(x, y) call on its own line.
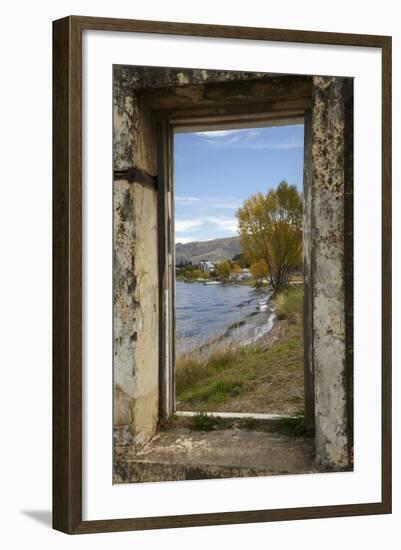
point(204, 312)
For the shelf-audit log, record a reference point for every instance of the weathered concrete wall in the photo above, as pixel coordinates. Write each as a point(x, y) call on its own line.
point(328, 289)
point(135, 274)
point(307, 244)
point(349, 256)
point(135, 313)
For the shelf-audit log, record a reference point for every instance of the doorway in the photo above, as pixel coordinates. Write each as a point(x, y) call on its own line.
point(239, 324)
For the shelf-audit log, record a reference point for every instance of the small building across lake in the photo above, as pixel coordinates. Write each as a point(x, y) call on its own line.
point(206, 266)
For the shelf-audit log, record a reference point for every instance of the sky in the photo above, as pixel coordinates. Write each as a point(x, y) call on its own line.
point(214, 172)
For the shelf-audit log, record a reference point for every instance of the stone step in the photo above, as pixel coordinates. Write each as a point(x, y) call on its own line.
point(179, 454)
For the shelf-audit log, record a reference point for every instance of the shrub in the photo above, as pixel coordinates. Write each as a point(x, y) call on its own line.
point(291, 425)
point(203, 422)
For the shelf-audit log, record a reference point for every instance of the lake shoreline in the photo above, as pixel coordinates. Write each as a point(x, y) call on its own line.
point(239, 319)
point(249, 282)
point(263, 378)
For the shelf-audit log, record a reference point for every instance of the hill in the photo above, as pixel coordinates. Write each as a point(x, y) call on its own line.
point(215, 250)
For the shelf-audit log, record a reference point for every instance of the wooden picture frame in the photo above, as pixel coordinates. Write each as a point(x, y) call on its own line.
point(67, 274)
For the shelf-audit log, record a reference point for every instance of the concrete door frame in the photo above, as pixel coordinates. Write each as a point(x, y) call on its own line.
point(150, 103)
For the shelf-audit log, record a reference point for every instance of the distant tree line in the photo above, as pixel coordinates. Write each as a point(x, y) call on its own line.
point(223, 271)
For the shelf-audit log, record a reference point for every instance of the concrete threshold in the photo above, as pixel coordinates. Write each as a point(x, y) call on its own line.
point(179, 454)
point(233, 415)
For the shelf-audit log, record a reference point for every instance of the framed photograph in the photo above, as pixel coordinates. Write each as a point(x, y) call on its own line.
point(222, 275)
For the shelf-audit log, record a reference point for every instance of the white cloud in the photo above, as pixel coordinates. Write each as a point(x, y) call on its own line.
point(216, 133)
point(229, 225)
point(183, 240)
point(247, 139)
point(226, 224)
point(206, 202)
point(188, 225)
point(186, 201)
point(220, 204)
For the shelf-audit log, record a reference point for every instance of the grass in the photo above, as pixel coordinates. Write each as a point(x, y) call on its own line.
point(293, 426)
point(289, 303)
point(228, 375)
point(212, 380)
point(201, 421)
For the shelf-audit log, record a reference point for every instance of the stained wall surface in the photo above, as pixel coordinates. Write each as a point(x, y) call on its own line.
point(135, 273)
point(327, 196)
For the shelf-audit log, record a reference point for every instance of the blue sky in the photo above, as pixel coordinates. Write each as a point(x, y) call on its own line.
point(215, 171)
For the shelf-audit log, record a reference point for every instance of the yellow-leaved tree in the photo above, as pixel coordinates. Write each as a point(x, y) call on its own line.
point(270, 228)
point(259, 270)
point(236, 270)
point(224, 270)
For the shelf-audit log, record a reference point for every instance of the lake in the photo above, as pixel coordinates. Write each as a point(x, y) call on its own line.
point(204, 312)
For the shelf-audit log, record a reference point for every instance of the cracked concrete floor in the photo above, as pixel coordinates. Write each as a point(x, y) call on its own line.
point(179, 454)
